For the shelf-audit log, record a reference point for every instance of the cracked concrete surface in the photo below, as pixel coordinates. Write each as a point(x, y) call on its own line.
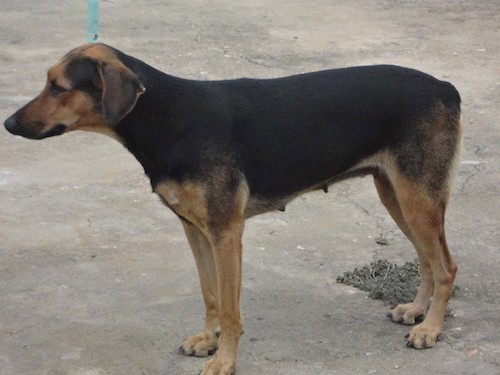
point(96, 277)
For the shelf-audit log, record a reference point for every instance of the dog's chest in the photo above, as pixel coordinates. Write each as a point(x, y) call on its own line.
point(187, 200)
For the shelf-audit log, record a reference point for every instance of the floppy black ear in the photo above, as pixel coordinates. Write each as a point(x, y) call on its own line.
point(121, 89)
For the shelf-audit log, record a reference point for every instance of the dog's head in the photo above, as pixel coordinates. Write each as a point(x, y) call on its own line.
point(88, 89)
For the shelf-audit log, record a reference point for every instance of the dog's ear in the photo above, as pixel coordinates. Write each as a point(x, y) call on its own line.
point(120, 90)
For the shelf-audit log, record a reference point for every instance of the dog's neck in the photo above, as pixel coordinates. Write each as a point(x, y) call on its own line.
point(151, 130)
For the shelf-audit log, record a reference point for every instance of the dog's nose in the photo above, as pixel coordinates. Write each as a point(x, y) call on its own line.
point(11, 124)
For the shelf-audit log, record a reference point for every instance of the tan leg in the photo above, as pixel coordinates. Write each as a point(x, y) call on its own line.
point(406, 313)
point(205, 342)
point(424, 216)
point(228, 261)
point(216, 214)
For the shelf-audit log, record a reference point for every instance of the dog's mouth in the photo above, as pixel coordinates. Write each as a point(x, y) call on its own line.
point(58, 129)
point(33, 131)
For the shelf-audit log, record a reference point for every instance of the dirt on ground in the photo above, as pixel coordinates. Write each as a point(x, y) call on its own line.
point(96, 277)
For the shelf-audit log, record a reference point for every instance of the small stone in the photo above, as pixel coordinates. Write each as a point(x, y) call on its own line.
point(472, 352)
point(382, 240)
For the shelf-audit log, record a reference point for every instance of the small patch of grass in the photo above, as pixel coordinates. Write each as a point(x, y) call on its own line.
point(386, 281)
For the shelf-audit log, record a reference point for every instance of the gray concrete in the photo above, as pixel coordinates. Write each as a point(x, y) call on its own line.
point(96, 277)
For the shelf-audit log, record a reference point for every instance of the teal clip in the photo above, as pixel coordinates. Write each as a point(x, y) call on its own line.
point(92, 20)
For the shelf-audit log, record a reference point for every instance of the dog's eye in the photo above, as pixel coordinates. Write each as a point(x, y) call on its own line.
point(55, 89)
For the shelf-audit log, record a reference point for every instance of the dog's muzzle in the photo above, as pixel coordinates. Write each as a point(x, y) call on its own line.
point(33, 131)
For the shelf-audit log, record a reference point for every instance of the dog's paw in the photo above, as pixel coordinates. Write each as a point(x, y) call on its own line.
point(217, 366)
point(408, 313)
point(201, 345)
point(422, 336)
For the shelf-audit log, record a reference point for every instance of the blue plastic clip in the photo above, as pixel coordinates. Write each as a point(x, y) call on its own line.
point(92, 20)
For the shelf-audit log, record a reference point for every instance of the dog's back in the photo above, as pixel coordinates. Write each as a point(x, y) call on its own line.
point(293, 133)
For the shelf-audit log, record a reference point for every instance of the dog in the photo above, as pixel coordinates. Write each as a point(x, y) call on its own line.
point(219, 152)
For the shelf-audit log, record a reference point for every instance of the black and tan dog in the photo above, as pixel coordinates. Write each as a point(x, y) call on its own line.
point(219, 152)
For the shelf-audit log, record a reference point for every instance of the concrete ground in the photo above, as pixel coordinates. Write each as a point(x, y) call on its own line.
point(96, 277)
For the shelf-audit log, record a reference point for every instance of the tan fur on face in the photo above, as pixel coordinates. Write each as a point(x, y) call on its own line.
point(74, 109)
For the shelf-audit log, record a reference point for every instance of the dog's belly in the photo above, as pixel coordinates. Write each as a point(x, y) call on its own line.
point(258, 204)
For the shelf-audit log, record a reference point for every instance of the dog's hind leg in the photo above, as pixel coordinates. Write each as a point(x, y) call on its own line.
point(415, 185)
point(407, 313)
point(424, 217)
point(205, 342)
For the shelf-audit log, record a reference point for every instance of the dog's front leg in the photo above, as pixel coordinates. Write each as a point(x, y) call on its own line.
point(205, 342)
point(214, 227)
point(227, 252)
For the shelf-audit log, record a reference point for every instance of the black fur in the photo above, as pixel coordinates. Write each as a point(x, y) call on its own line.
point(328, 120)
